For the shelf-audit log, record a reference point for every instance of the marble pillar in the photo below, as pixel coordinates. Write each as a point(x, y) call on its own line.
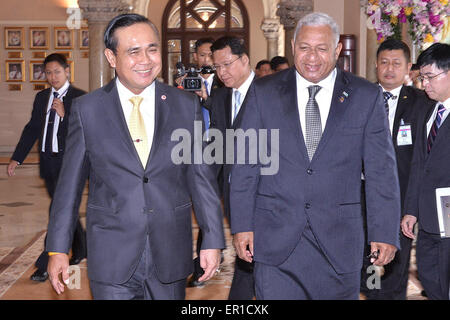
point(98, 13)
point(270, 27)
point(371, 59)
point(290, 11)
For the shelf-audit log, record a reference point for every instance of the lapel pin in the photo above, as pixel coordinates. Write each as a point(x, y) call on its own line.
point(341, 99)
point(404, 97)
point(345, 94)
point(163, 97)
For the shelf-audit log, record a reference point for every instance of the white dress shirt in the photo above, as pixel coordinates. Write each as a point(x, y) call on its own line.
point(147, 107)
point(392, 102)
point(446, 104)
point(243, 89)
point(323, 98)
point(209, 81)
point(61, 94)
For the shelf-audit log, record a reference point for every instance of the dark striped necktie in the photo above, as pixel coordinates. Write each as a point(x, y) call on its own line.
point(387, 95)
point(50, 124)
point(435, 127)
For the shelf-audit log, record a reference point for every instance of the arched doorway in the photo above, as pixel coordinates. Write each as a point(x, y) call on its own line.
point(185, 21)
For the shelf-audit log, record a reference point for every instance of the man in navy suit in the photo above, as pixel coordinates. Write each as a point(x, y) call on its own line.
point(429, 171)
point(48, 125)
point(404, 104)
point(303, 225)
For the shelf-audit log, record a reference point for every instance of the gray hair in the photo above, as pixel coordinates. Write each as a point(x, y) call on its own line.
point(318, 19)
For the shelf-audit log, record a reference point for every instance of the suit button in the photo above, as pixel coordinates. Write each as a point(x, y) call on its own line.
point(307, 205)
point(145, 180)
point(309, 171)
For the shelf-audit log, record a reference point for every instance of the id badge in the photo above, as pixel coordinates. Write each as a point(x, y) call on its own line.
point(404, 136)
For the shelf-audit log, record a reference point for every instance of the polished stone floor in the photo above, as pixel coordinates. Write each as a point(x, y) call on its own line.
point(23, 221)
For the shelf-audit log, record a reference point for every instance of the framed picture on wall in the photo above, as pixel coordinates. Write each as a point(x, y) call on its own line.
point(63, 38)
point(15, 70)
point(84, 38)
point(14, 38)
point(37, 72)
point(39, 38)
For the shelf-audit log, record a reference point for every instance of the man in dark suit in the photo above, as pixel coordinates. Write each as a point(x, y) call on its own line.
point(403, 105)
point(203, 58)
point(430, 171)
point(303, 225)
point(48, 124)
point(122, 137)
point(232, 65)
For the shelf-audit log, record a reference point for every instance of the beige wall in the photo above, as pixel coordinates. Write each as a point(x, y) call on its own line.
point(15, 106)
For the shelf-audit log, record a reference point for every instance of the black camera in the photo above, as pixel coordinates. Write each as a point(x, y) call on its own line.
point(192, 82)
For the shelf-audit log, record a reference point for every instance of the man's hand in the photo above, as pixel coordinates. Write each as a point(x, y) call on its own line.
point(241, 241)
point(11, 168)
point(202, 93)
point(58, 105)
point(179, 80)
point(407, 225)
point(58, 264)
point(209, 261)
point(386, 253)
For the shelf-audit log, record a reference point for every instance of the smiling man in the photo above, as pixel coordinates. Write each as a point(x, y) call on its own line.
point(303, 226)
point(140, 202)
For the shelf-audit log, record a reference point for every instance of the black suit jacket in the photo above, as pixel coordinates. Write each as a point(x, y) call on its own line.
point(428, 172)
point(221, 108)
point(35, 127)
point(411, 104)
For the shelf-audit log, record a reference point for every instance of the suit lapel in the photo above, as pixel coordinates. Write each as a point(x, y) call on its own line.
point(228, 108)
point(289, 106)
point(115, 114)
point(162, 111)
point(341, 96)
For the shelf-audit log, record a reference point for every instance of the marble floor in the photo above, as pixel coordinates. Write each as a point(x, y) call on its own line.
point(23, 221)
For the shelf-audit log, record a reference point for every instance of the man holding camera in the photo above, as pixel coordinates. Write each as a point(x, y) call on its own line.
point(209, 82)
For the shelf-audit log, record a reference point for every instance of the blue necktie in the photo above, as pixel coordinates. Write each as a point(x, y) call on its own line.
point(206, 111)
point(435, 127)
point(237, 103)
point(387, 95)
point(50, 124)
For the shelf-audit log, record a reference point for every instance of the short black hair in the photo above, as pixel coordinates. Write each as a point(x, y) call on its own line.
point(56, 57)
point(394, 44)
point(261, 63)
point(276, 61)
point(121, 21)
point(202, 41)
point(438, 54)
point(415, 67)
point(236, 45)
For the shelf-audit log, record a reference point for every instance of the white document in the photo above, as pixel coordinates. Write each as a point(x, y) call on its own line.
point(443, 211)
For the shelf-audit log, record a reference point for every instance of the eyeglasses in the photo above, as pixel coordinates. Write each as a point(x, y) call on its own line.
point(429, 78)
point(225, 65)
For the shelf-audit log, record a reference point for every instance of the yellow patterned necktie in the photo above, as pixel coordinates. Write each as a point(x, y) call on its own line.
point(137, 130)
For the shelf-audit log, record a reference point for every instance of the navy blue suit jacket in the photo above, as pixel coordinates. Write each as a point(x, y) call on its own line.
point(326, 192)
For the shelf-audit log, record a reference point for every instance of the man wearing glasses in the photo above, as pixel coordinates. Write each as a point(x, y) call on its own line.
point(430, 171)
point(233, 68)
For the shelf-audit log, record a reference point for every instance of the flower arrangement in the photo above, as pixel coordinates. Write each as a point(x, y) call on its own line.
point(426, 19)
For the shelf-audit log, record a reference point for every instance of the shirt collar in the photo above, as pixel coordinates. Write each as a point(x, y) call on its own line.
point(63, 90)
point(446, 104)
point(125, 94)
point(395, 92)
point(327, 83)
point(244, 87)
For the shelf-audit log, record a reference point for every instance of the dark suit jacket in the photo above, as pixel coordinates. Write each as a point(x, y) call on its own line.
point(428, 172)
point(324, 192)
point(35, 127)
point(128, 202)
point(411, 104)
point(221, 111)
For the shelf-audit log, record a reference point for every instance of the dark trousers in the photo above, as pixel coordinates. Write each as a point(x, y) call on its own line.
point(143, 284)
point(305, 275)
point(243, 284)
point(50, 166)
point(394, 282)
point(433, 264)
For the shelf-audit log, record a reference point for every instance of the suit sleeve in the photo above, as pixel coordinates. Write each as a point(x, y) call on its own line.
point(382, 185)
point(30, 133)
point(204, 190)
point(72, 177)
point(245, 177)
